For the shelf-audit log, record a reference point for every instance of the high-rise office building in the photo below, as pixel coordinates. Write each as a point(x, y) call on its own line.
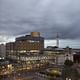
point(29, 44)
point(33, 43)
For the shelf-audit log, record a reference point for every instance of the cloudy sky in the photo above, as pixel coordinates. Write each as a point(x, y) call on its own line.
point(19, 17)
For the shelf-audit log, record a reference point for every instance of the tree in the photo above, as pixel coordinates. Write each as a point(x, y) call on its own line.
point(68, 63)
point(69, 71)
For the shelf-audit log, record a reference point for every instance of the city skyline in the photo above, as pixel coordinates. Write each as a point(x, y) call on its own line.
point(62, 43)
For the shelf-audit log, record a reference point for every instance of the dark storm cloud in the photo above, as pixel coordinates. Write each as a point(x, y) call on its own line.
point(47, 16)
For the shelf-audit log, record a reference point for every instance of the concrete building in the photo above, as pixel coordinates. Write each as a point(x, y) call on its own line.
point(10, 49)
point(29, 44)
point(2, 50)
point(33, 43)
point(61, 54)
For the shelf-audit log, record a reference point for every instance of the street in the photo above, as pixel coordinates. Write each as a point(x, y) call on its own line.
point(26, 75)
point(22, 75)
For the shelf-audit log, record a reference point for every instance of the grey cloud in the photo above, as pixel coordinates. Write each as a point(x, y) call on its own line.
point(47, 16)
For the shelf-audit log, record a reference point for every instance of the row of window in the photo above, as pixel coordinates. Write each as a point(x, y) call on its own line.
point(30, 58)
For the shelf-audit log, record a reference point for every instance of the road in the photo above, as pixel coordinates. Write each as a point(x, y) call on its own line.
point(20, 75)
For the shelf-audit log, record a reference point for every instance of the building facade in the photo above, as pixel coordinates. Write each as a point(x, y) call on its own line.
point(2, 50)
point(33, 43)
point(29, 44)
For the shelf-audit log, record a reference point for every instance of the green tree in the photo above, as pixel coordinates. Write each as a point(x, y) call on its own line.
point(68, 63)
point(69, 72)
